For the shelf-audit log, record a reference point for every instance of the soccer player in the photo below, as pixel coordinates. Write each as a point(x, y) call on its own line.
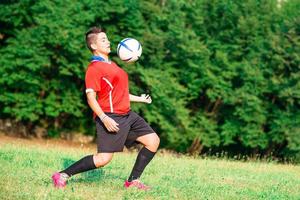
point(117, 126)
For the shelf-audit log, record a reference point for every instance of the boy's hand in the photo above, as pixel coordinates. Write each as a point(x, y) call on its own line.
point(146, 98)
point(110, 124)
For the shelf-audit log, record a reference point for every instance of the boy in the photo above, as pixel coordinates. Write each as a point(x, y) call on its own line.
point(108, 96)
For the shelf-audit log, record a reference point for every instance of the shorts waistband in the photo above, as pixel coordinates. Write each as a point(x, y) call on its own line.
point(117, 114)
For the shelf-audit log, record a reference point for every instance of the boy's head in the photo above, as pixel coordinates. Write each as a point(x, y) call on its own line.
point(97, 41)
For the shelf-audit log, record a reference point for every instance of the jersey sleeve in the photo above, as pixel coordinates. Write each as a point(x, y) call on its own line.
point(93, 80)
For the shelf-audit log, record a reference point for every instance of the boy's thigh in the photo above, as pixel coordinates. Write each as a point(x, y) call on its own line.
point(109, 142)
point(139, 128)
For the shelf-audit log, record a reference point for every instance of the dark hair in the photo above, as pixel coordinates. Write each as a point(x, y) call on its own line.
point(91, 36)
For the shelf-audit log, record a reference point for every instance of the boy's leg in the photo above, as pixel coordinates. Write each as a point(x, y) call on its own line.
point(151, 143)
point(88, 163)
point(85, 164)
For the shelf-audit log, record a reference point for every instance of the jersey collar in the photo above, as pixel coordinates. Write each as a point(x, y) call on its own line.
point(99, 58)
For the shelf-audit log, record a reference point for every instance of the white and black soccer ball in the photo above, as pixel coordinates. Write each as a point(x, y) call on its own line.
point(129, 50)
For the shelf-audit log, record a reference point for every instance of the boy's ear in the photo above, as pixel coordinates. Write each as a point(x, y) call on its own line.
point(93, 46)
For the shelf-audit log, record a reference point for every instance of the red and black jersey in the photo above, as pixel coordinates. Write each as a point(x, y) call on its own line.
point(110, 83)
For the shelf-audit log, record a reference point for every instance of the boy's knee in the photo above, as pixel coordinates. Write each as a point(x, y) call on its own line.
point(100, 160)
point(153, 144)
point(157, 141)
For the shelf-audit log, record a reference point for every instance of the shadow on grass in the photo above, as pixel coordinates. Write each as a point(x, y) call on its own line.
point(68, 162)
point(93, 175)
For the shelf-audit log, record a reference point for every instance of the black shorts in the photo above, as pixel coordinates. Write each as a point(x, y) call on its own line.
point(131, 126)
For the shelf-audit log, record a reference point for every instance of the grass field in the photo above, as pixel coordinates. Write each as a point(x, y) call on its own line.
point(26, 167)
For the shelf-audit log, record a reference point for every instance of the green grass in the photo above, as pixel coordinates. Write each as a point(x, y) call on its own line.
point(25, 171)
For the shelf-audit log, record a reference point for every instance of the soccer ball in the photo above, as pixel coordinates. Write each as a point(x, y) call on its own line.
point(129, 50)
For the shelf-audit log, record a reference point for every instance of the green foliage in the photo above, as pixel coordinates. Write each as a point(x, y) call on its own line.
point(221, 72)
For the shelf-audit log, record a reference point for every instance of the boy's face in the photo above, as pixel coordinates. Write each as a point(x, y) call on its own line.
point(102, 44)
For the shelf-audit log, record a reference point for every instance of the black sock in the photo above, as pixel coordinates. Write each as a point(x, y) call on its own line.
point(82, 165)
point(142, 160)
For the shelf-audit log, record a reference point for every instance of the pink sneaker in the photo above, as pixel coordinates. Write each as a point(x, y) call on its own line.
point(59, 180)
point(136, 183)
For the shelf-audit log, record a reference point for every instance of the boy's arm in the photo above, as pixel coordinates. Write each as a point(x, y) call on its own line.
point(109, 123)
point(143, 98)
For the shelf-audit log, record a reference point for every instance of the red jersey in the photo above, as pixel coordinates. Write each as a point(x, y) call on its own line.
point(110, 83)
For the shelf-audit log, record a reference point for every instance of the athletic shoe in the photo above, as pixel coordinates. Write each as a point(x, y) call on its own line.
point(137, 184)
point(59, 179)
